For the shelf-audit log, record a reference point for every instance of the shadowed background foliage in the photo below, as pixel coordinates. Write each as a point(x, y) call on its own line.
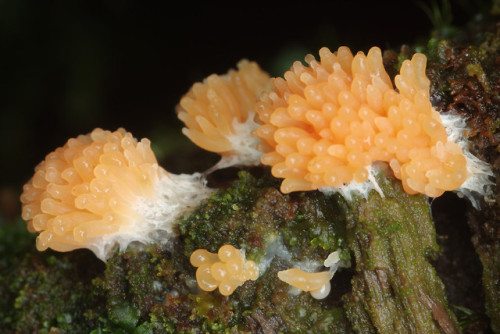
point(67, 67)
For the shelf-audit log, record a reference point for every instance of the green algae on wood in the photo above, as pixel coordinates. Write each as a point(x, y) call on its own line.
point(395, 288)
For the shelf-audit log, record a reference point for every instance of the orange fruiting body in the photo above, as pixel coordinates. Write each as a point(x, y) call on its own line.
point(219, 114)
point(225, 270)
point(326, 123)
point(318, 284)
point(102, 189)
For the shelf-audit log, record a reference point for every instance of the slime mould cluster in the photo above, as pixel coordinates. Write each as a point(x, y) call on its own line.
point(387, 235)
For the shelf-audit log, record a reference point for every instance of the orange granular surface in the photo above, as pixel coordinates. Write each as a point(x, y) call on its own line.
point(326, 122)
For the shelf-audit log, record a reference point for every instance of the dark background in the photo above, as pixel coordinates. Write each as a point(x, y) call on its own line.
point(67, 67)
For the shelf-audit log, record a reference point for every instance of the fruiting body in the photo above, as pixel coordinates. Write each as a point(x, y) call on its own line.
point(225, 270)
point(318, 284)
point(326, 123)
point(219, 114)
point(102, 189)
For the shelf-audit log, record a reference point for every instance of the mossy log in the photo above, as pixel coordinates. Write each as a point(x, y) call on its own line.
point(152, 290)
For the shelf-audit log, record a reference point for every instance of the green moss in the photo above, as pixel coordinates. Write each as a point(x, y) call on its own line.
point(226, 217)
point(133, 284)
point(152, 290)
point(47, 291)
point(250, 215)
point(41, 290)
point(123, 315)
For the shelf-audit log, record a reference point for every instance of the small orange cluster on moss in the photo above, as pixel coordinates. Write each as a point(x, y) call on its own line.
point(226, 270)
point(325, 123)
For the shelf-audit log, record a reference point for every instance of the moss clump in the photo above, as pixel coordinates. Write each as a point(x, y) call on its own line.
point(253, 215)
point(145, 291)
point(226, 217)
point(44, 292)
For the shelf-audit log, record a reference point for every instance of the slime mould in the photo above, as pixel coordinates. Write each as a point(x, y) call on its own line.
point(102, 189)
point(336, 125)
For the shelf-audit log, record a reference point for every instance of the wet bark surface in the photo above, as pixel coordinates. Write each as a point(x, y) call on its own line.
point(395, 288)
